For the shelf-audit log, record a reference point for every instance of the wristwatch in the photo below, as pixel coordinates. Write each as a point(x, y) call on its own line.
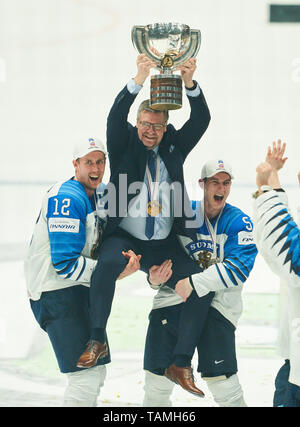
point(193, 87)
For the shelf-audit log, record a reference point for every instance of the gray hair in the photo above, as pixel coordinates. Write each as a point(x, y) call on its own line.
point(145, 106)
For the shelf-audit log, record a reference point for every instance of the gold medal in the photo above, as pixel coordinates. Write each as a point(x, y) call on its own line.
point(153, 208)
point(204, 259)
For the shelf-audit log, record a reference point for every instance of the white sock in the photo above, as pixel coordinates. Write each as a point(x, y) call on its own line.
point(158, 390)
point(84, 386)
point(226, 392)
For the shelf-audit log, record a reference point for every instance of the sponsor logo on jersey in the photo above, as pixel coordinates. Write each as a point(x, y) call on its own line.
point(245, 238)
point(66, 225)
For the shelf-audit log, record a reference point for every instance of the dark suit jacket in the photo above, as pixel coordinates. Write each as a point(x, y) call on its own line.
point(128, 155)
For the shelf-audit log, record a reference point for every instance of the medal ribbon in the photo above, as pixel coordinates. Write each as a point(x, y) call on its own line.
point(212, 230)
point(151, 174)
point(153, 185)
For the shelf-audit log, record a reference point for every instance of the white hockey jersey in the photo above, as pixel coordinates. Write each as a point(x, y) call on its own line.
point(278, 241)
point(226, 252)
point(67, 227)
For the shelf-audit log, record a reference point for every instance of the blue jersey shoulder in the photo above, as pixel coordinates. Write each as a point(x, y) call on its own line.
point(71, 200)
point(235, 220)
point(232, 219)
point(75, 190)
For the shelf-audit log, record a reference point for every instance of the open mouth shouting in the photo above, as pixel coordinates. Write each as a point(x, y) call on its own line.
point(94, 179)
point(218, 197)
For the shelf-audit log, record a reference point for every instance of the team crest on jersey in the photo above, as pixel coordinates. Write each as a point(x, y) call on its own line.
point(200, 245)
point(204, 258)
point(202, 252)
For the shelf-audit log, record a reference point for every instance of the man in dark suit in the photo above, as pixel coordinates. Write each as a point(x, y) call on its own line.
point(151, 152)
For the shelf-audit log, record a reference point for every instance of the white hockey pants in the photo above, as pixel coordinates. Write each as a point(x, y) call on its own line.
point(84, 386)
point(158, 390)
point(225, 391)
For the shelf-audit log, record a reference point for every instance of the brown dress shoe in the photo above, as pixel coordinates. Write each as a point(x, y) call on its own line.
point(93, 351)
point(184, 377)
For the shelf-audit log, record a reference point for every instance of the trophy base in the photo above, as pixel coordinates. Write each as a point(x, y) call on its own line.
point(166, 92)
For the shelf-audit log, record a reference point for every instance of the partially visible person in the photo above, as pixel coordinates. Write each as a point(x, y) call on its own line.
point(59, 265)
point(278, 241)
point(225, 251)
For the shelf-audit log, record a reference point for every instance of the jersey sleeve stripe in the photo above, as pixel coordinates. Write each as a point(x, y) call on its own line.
point(82, 270)
point(273, 207)
point(282, 236)
point(220, 275)
point(63, 262)
point(75, 266)
point(230, 275)
point(237, 270)
point(67, 268)
point(267, 200)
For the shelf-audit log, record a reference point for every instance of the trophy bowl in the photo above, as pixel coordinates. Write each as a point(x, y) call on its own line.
point(169, 45)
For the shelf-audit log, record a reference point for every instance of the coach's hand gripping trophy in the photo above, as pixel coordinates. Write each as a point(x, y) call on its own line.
point(169, 45)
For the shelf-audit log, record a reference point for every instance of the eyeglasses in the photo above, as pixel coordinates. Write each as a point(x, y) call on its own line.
point(157, 127)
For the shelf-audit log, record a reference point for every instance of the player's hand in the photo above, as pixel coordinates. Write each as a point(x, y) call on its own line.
point(159, 274)
point(275, 155)
point(133, 264)
point(144, 65)
point(299, 177)
point(183, 288)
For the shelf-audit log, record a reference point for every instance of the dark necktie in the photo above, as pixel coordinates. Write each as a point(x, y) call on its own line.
point(149, 230)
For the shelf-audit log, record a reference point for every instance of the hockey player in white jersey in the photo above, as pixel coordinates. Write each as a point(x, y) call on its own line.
point(59, 265)
point(278, 241)
point(226, 252)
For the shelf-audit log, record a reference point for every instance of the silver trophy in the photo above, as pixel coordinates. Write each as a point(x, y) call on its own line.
point(169, 45)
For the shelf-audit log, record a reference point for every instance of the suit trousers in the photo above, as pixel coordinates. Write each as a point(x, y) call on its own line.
point(111, 263)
